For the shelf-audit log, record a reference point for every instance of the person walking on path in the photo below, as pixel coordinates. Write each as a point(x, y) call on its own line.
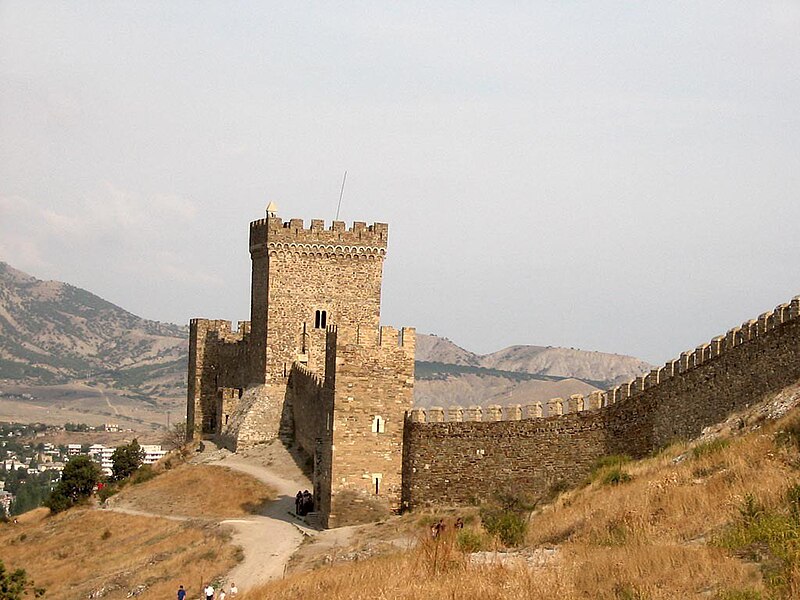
point(221, 595)
point(209, 592)
point(234, 590)
point(181, 593)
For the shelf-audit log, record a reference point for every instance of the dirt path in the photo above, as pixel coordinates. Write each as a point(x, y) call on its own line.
point(268, 540)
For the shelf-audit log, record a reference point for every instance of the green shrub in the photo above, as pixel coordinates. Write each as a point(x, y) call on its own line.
point(509, 525)
point(612, 460)
point(126, 459)
point(469, 540)
point(15, 585)
point(608, 469)
point(793, 498)
point(106, 492)
point(738, 595)
point(628, 592)
point(770, 537)
point(142, 474)
point(77, 483)
point(711, 447)
point(615, 476)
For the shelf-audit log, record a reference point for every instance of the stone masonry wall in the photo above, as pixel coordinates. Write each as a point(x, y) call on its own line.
point(298, 271)
point(312, 407)
point(217, 359)
point(462, 461)
point(374, 385)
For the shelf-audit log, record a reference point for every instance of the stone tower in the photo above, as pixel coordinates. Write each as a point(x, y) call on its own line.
point(313, 365)
point(303, 280)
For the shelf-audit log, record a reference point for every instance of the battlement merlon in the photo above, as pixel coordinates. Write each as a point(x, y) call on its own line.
point(222, 328)
point(273, 230)
point(384, 336)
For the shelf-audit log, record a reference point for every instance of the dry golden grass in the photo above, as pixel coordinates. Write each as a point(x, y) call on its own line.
point(81, 551)
point(203, 491)
point(651, 538)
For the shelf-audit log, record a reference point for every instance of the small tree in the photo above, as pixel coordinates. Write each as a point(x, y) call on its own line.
point(175, 437)
point(80, 476)
point(15, 585)
point(126, 459)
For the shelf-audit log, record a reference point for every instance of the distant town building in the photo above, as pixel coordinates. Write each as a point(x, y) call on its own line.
point(152, 453)
point(6, 498)
point(73, 449)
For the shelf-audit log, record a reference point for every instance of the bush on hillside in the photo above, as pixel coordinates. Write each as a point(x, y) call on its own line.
point(615, 476)
point(507, 519)
point(769, 536)
point(78, 480)
point(608, 469)
point(142, 474)
point(790, 435)
point(711, 447)
point(469, 540)
point(15, 585)
point(126, 460)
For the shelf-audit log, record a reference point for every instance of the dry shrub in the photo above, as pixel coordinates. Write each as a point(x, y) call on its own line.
point(409, 576)
point(656, 572)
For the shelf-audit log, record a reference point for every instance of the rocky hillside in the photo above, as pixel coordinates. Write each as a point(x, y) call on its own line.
point(599, 368)
point(52, 332)
point(448, 374)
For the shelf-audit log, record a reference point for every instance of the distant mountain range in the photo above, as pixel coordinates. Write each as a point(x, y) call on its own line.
point(55, 333)
point(448, 374)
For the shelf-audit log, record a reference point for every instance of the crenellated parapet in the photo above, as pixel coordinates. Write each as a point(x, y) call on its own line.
point(687, 361)
point(749, 331)
point(221, 329)
point(311, 378)
point(463, 460)
point(273, 235)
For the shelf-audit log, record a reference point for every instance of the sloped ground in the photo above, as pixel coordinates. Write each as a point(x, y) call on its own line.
point(87, 553)
point(199, 491)
point(719, 519)
point(175, 529)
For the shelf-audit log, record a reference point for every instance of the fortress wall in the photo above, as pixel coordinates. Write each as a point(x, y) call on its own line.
point(461, 461)
point(217, 359)
point(372, 372)
point(312, 406)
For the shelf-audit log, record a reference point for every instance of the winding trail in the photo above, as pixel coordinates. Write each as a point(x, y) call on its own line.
point(268, 540)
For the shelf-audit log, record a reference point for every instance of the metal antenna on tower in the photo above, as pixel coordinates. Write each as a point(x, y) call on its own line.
point(340, 196)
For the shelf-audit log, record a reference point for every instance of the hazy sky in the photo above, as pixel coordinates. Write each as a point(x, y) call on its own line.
point(610, 176)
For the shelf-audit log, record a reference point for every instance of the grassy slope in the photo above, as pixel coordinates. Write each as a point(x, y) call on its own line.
point(203, 491)
point(82, 551)
point(706, 523)
point(85, 550)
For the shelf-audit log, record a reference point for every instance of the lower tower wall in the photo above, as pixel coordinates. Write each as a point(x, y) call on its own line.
point(372, 375)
